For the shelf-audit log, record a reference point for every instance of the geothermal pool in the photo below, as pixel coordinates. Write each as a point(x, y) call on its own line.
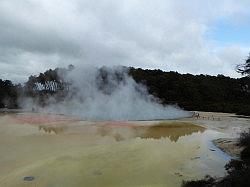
point(45, 150)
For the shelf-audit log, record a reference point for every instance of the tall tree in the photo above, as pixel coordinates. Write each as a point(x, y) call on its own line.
point(244, 69)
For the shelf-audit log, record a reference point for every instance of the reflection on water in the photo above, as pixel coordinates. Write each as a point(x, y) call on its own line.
point(173, 131)
point(51, 129)
point(100, 154)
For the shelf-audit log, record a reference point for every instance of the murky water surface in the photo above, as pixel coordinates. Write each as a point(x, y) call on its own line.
point(40, 150)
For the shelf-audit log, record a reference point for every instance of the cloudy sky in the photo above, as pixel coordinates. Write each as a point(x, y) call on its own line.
point(194, 36)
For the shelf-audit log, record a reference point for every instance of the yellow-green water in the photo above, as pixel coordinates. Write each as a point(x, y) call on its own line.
point(92, 154)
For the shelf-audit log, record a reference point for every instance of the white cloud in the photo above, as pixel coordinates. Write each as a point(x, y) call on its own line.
point(37, 35)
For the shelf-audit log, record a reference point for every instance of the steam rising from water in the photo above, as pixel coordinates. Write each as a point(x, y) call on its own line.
point(110, 95)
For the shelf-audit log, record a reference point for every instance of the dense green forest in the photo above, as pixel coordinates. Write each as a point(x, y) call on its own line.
point(9, 94)
point(197, 92)
point(191, 92)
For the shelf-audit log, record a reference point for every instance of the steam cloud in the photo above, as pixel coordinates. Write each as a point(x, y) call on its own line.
point(109, 95)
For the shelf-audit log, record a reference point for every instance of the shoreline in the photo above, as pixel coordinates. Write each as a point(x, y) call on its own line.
point(229, 146)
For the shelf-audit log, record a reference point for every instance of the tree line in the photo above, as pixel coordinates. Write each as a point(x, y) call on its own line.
point(197, 92)
point(191, 92)
point(9, 94)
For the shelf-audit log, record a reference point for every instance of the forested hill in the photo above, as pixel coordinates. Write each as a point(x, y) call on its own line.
point(191, 92)
point(197, 92)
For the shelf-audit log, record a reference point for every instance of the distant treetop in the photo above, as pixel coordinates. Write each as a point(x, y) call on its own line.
point(244, 69)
